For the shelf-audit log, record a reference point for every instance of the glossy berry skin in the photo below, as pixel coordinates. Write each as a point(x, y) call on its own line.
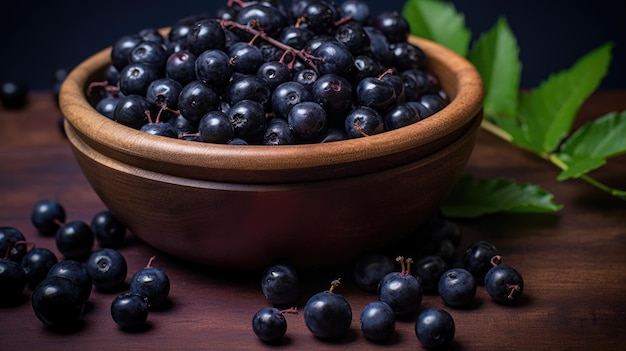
point(274, 73)
point(205, 34)
point(308, 120)
point(215, 127)
point(107, 268)
point(181, 66)
point(76, 272)
point(120, 51)
point(75, 240)
point(379, 46)
point(370, 269)
point(129, 310)
point(248, 120)
point(149, 52)
point(393, 25)
point(131, 111)
point(435, 328)
point(378, 322)
point(8, 249)
point(327, 315)
point(280, 285)
point(334, 57)
point(353, 37)
point(136, 77)
point(429, 270)
point(12, 280)
point(288, 94)
point(196, 99)
point(357, 9)
point(153, 284)
point(249, 87)
point(247, 59)
point(58, 303)
point(269, 325)
point(36, 264)
point(401, 115)
point(106, 106)
point(278, 132)
point(108, 230)
point(270, 18)
point(375, 93)
point(401, 291)
point(504, 284)
point(334, 93)
point(47, 216)
point(164, 92)
point(457, 287)
point(213, 68)
point(163, 129)
point(306, 77)
point(363, 121)
point(477, 258)
point(407, 56)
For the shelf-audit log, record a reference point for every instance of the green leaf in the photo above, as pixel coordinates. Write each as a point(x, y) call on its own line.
point(438, 21)
point(548, 112)
point(496, 56)
point(592, 144)
point(472, 198)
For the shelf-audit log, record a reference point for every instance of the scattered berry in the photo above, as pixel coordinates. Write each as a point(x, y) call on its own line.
point(457, 287)
point(107, 268)
point(503, 282)
point(401, 290)
point(58, 303)
point(328, 315)
point(47, 216)
point(378, 321)
point(269, 324)
point(129, 310)
point(477, 258)
point(152, 283)
point(280, 285)
point(435, 328)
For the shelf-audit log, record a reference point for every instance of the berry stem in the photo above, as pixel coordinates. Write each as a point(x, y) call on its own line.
point(400, 259)
point(342, 20)
point(249, 28)
point(292, 310)
point(334, 284)
point(408, 261)
point(513, 290)
point(150, 260)
point(387, 72)
point(359, 129)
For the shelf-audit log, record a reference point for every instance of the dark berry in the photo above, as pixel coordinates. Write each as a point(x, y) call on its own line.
point(108, 230)
point(358, 10)
point(164, 92)
point(152, 283)
point(151, 53)
point(215, 127)
point(129, 310)
point(181, 66)
point(280, 285)
point(363, 121)
point(196, 100)
point(13, 281)
point(306, 77)
point(13, 244)
point(13, 95)
point(376, 93)
point(307, 119)
point(334, 93)
point(136, 77)
point(107, 268)
point(36, 264)
point(333, 57)
point(401, 290)
point(249, 87)
point(477, 258)
point(248, 120)
point(406, 56)
point(246, 58)
point(288, 94)
point(457, 287)
point(106, 105)
point(120, 51)
point(274, 73)
point(47, 216)
point(269, 324)
point(353, 37)
point(58, 303)
point(370, 269)
point(205, 34)
point(76, 272)
point(214, 68)
point(429, 270)
point(393, 25)
point(279, 132)
point(328, 315)
point(504, 283)
point(75, 240)
point(379, 46)
point(401, 115)
point(131, 111)
point(435, 328)
point(378, 321)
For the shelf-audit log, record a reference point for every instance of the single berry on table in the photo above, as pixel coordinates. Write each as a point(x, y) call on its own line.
point(477, 258)
point(13, 281)
point(108, 230)
point(13, 245)
point(429, 270)
point(36, 264)
point(369, 269)
point(503, 282)
point(129, 310)
point(457, 287)
point(76, 272)
point(280, 284)
point(435, 328)
point(75, 240)
point(107, 268)
point(58, 303)
point(152, 283)
point(47, 216)
point(328, 315)
point(401, 290)
point(378, 321)
point(269, 324)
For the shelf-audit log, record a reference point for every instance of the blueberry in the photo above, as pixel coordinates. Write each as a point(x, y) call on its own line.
point(181, 66)
point(214, 68)
point(36, 264)
point(129, 310)
point(75, 240)
point(287, 95)
point(131, 110)
point(370, 269)
point(76, 272)
point(435, 328)
point(108, 230)
point(13, 281)
point(504, 283)
point(308, 120)
point(247, 59)
point(215, 127)
point(328, 315)
point(280, 284)
point(269, 324)
point(196, 100)
point(249, 87)
point(335, 58)
point(152, 283)
point(358, 10)
point(401, 290)
point(401, 115)
point(106, 105)
point(353, 37)
point(47, 216)
point(12, 244)
point(205, 34)
point(121, 49)
point(477, 258)
point(334, 93)
point(136, 77)
point(248, 120)
point(278, 132)
point(107, 268)
point(164, 92)
point(363, 121)
point(457, 287)
point(378, 321)
point(149, 52)
point(274, 73)
point(58, 303)
point(393, 25)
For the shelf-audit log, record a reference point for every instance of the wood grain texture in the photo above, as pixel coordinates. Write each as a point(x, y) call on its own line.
point(572, 261)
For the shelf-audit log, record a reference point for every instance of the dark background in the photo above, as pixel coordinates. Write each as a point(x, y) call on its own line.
point(38, 37)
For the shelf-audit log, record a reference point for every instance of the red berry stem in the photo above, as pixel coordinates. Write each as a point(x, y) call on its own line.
point(408, 262)
point(292, 310)
point(496, 260)
point(250, 28)
point(334, 284)
point(513, 290)
point(149, 264)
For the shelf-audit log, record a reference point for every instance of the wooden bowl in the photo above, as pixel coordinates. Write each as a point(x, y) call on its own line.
point(245, 206)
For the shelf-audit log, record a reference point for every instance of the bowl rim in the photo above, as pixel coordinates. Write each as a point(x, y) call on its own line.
point(466, 96)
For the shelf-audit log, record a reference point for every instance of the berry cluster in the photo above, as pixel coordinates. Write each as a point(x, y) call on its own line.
point(262, 72)
point(399, 293)
point(61, 288)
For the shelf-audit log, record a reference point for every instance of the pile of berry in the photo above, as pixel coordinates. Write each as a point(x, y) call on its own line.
point(61, 288)
point(262, 72)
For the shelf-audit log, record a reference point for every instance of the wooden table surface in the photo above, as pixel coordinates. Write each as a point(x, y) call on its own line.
point(573, 261)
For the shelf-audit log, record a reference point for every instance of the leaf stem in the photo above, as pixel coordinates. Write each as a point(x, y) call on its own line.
point(495, 130)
